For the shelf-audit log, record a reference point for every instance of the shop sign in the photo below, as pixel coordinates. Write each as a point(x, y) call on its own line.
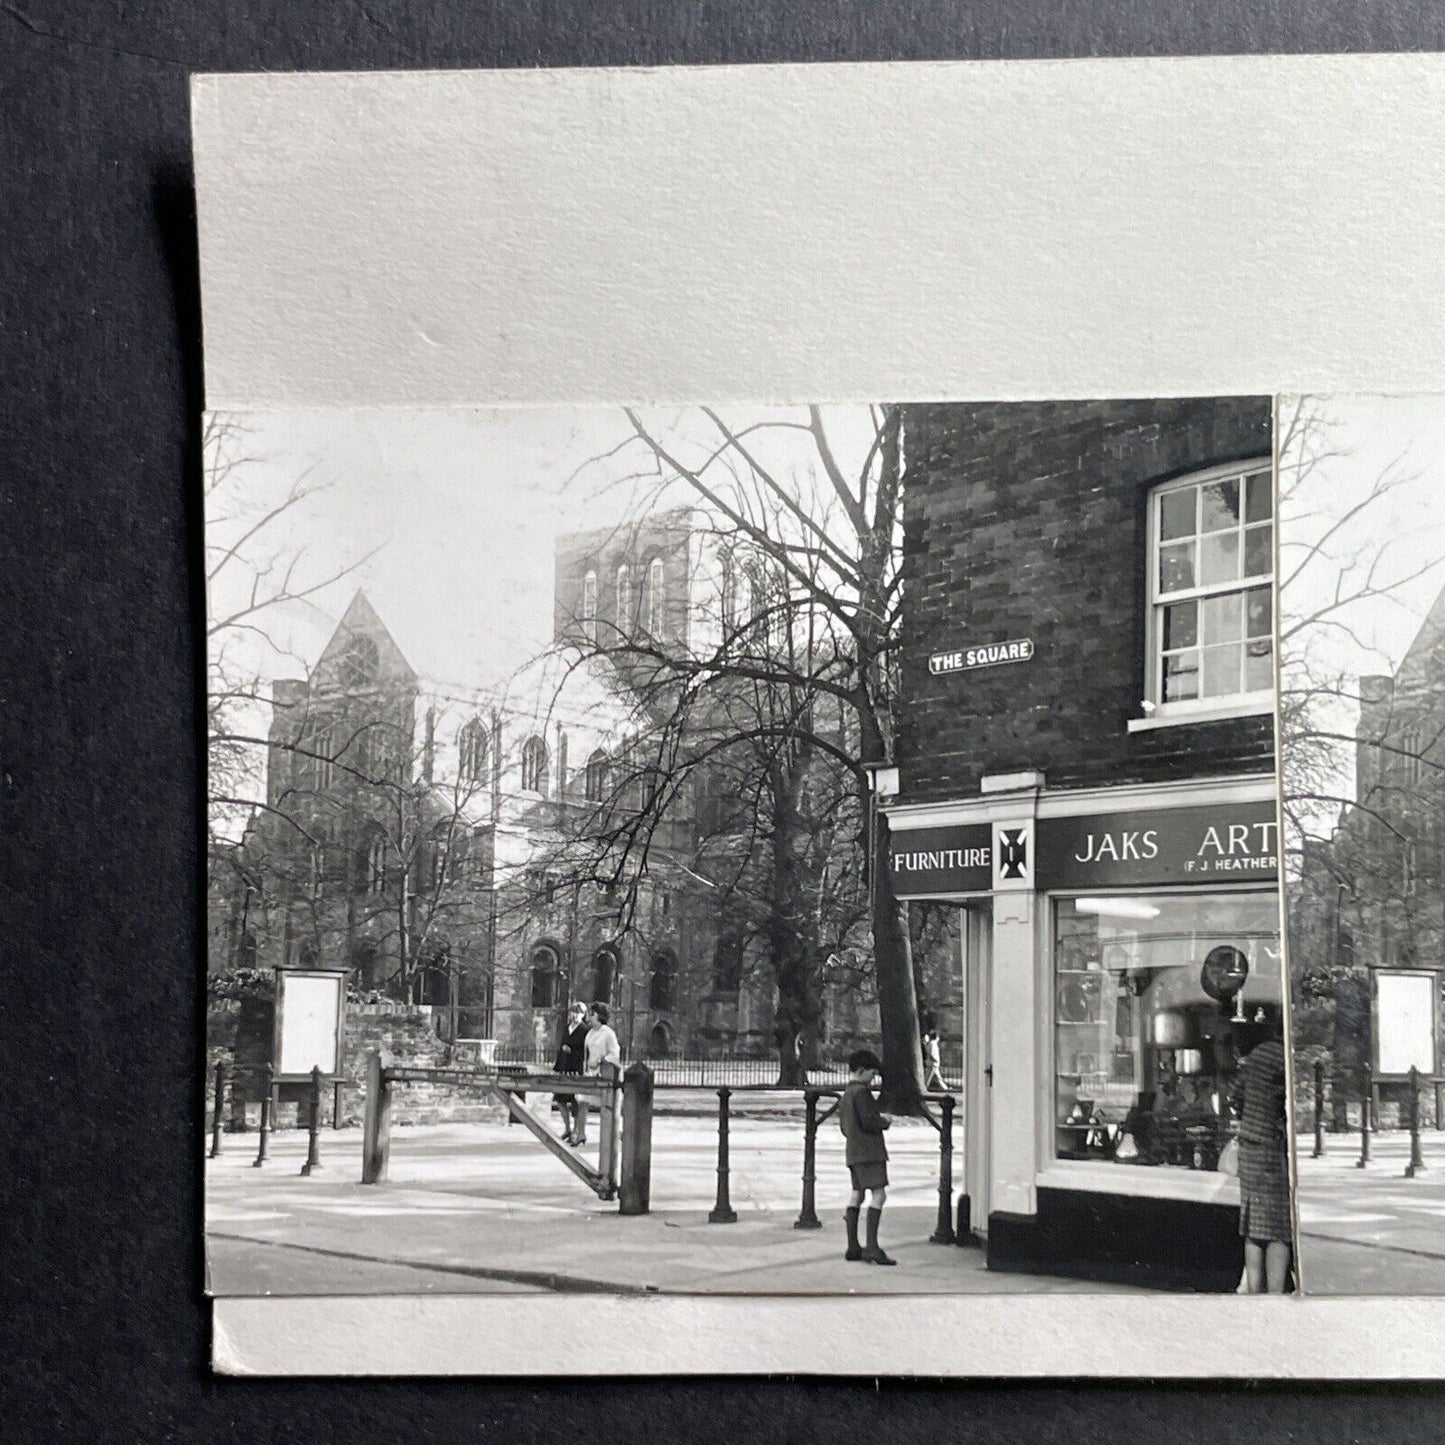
point(1231, 843)
point(1215, 844)
point(987, 654)
point(942, 860)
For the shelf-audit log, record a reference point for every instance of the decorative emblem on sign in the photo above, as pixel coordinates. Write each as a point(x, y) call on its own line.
point(1013, 855)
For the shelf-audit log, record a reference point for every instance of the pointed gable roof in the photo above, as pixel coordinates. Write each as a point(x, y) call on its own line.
point(360, 620)
point(1421, 664)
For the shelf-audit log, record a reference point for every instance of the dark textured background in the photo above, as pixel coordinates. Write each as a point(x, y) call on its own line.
point(99, 764)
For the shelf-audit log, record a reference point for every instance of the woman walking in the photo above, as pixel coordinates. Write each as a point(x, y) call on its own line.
point(1264, 1205)
point(569, 1061)
point(598, 1048)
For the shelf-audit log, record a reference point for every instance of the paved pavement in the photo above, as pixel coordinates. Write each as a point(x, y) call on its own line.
point(1372, 1231)
point(482, 1207)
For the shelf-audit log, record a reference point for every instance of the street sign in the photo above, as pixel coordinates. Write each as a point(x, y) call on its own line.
point(987, 654)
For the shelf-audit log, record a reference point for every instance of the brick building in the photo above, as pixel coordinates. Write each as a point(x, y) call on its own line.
point(1367, 916)
point(1086, 772)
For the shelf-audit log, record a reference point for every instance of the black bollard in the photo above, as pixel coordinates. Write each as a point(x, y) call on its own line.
point(1365, 1131)
point(808, 1215)
point(265, 1119)
point(1417, 1160)
point(944, 1234)
point(216, 1112)
point(1319, 1109)
point(723, 1210)
point(313, 1126)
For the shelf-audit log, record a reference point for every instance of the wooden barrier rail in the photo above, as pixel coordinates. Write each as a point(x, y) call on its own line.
point(624, 1164)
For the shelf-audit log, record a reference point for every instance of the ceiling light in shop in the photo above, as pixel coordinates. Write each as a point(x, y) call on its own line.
point(1116, 907)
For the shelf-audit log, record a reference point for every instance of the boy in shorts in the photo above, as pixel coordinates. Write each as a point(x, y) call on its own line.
point(863, 1125)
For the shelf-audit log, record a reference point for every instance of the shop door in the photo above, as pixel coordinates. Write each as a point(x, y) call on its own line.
point(977, 932)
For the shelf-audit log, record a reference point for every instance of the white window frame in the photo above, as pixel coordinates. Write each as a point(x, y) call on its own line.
point(1159, 713)
point(625, 600)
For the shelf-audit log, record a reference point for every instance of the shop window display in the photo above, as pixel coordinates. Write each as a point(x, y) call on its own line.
point(1157, 999)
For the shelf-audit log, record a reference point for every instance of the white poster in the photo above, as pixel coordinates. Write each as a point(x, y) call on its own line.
point(309, 1010)
point(1405, 1022)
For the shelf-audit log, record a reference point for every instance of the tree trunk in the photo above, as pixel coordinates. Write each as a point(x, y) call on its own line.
point(897, 999)
point(796, 961)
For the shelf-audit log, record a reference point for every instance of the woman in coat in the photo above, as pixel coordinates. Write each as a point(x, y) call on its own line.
point(1264, 1203)
point(569, 1061)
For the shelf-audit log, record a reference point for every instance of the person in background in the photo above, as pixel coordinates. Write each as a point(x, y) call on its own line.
point(933, 1081)
point(1258, 1097)
point(867, 1154)
point(569, 1061)
point(598, 1048)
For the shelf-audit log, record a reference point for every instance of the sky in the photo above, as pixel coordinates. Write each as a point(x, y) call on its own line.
point(446, 518)
point(1402, 532)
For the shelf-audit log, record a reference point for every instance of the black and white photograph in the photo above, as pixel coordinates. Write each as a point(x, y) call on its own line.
point(724, 850)
point(1362, 716)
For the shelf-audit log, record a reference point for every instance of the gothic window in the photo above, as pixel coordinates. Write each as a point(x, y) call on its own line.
point(597, 777)
point(372, 872)
point(1410, 762)
point(727, 963)
point(662, 989)
point(589, 607)
point(546, 969)
point(534, 766)
point(1210, 589)
point(360, 663)
point(624, 600)
point(656, 598)
point(604, 975)
point(472, 744)
point(323, 765)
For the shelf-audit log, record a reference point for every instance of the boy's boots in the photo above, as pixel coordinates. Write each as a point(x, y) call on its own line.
point(850, 1219)
point(872, 1253)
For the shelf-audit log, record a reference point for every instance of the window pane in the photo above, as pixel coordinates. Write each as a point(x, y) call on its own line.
point(1176, 514)
point(1259, 498)
point(1181, 677)
point(1220, 558)
point(1259, 612)
point(1144, 1057)
point(1223, 618)
point(1221, 671)
point(1176, 567)
point(1219, 505)
point(1181, 625)
point(1259, 665)
point(1258, 546)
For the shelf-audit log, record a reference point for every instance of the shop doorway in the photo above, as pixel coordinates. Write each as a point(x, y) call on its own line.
point(976, 935)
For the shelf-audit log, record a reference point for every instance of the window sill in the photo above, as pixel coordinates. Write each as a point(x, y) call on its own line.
point(1141, 1181)
point(1253, 705)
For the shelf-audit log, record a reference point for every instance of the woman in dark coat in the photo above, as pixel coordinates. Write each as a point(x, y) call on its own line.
point(1264, 1203)
point(569, 1061)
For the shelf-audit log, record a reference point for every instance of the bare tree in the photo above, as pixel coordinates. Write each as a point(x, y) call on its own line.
point(796, 684)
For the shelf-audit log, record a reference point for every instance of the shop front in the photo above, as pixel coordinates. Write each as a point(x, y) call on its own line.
point(1122, 954)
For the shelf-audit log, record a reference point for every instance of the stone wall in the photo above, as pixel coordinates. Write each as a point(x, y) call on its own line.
point(240, 1035)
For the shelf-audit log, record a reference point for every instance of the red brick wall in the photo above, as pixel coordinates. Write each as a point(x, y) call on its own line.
point(1029, 520)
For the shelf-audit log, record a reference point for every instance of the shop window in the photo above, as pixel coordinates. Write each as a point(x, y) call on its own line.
point(596, 777)
point(472, 746)
point(534, 766)
point(656, 598)
point(1211, 579)
point(1157, 999)
point(662, 989)
point(589, 607)
point(546, 970)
